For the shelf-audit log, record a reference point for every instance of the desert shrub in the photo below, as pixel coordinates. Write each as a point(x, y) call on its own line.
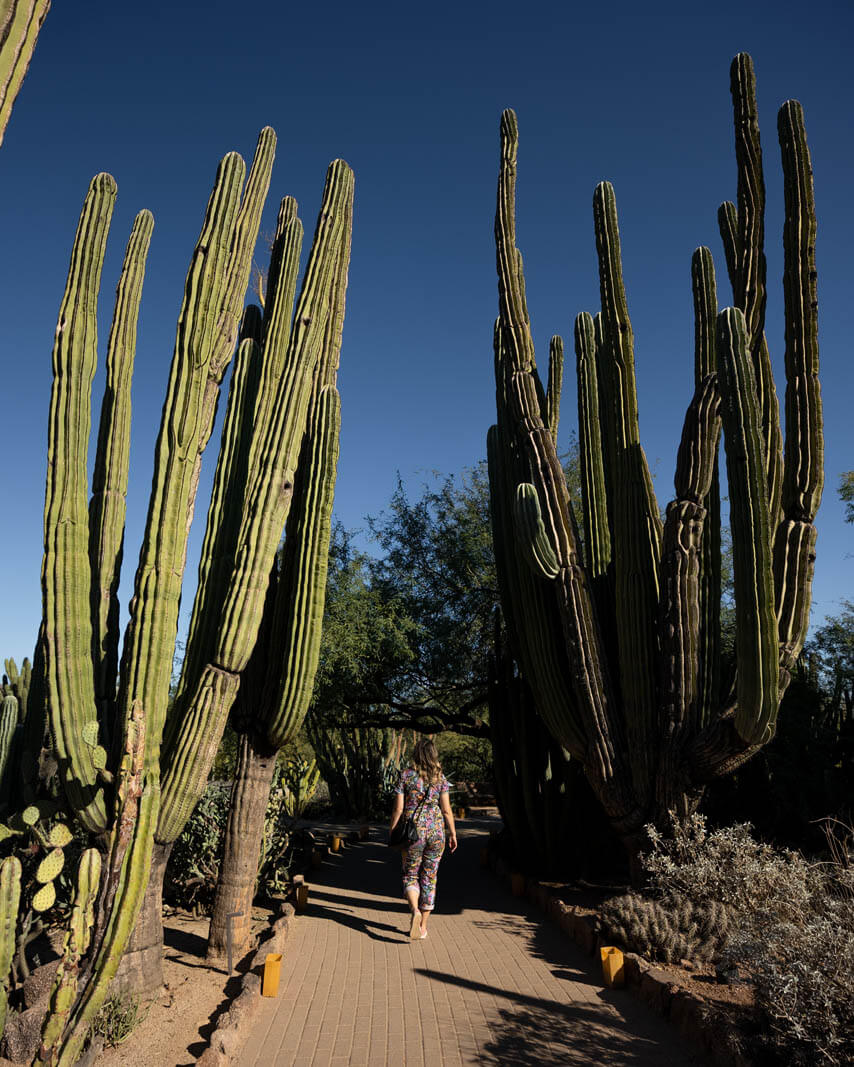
point(728, 866)
point(790, 929)
point(194, 863)
point(668, 932)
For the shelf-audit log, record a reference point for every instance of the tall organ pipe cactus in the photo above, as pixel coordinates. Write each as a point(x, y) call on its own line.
point(280, 442)
point(122, 770)
point(118, 799)
point(279, 677)
point(619, 635)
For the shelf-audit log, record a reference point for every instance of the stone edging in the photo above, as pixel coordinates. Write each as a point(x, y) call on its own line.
point(232, 1028)
point(687, 1011)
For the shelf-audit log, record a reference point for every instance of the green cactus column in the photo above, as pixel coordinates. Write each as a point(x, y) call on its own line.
point(279, 678)
point(20, 22)
point(116, 794)
point(622, 648)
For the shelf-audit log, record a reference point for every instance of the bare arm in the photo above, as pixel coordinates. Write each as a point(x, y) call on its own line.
point(397, 810)
point(445, 805)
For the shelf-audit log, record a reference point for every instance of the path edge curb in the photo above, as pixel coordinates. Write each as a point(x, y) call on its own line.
point(232, 1028)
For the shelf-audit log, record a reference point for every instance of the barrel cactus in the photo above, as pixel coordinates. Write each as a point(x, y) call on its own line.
point(615, 620)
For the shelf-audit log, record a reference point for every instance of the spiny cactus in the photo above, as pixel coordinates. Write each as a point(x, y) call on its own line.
point(77, 938)
point(621, 643)
point(108, 737)
point(668, 930)
point(8, 730)
point(20, 22)
point(10, 895)
point(300, 780)
point(278, 678)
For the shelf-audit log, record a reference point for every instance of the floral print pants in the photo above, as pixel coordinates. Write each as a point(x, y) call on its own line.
point(420, 867)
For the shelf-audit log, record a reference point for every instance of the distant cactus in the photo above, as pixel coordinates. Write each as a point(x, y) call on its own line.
point(666, 930)
point(300, 780)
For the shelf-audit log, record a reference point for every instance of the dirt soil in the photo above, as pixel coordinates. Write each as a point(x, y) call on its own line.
point(178, 1024)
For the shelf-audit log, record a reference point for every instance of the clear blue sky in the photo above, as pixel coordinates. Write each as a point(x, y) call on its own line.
point(410, 95)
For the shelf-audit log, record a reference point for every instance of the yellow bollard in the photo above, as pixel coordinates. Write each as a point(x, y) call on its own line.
point(335, 843)
point(612, 967)
point(272, 969)
point(461, 813)
point(301, 902)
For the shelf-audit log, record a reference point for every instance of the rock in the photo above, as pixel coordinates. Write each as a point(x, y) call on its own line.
point(655, 990)
point(22, 1036)
point(36, 988)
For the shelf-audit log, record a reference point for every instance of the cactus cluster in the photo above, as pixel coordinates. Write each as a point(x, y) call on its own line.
point(278, 677)
point(618, 633)
point(300, 780)
point(126, 770)
point(668, 931)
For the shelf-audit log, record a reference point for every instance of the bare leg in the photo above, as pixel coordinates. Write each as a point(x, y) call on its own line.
point(425, 915)
point(412, 894)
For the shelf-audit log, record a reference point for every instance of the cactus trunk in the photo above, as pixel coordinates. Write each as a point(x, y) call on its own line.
point(244, 830)
point(140, 972)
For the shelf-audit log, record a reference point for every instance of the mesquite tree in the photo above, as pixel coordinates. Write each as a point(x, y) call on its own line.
point(622, 647)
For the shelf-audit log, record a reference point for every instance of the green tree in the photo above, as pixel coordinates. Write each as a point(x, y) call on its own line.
point(846, 494)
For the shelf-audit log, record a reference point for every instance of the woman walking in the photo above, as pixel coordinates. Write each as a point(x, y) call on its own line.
point(422, 791)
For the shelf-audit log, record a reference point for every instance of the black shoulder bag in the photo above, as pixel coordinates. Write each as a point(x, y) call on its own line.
point(405, 831)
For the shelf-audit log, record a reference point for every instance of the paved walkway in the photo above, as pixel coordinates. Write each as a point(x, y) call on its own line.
point(492, 984)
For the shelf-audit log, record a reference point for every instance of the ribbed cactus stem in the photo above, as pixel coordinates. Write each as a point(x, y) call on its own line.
point(635, 523)
point(207, 328)
point(704, 291)
point(803, 479)
point(555, 385)
point(597, 535)
point(9, 731)
point(757, 648)
point(10, 896)
point(65, 567)
point(748, 255)
point(295, 640)
point(20, 22)
point(109, 479)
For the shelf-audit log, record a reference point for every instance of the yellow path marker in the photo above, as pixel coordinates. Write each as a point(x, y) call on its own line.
point(301, 898)
point(272, 969)
point(612, 967)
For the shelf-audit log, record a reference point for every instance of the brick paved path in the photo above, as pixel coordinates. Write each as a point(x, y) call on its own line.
point(492, 984)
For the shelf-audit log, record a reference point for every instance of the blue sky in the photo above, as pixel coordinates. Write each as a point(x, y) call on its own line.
point(410, 96)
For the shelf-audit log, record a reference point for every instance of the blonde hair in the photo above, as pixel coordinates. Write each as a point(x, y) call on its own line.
point(425, 760)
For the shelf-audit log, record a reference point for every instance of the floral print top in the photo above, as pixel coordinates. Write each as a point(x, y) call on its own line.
point(414, 790)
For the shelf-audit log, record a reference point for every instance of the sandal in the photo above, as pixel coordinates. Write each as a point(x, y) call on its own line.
point(423, 935)
point(415, 926)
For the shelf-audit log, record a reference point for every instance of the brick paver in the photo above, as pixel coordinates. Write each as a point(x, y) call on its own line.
point(492, 984)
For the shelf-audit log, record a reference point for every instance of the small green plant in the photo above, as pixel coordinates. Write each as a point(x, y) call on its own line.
point(117, 1019)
